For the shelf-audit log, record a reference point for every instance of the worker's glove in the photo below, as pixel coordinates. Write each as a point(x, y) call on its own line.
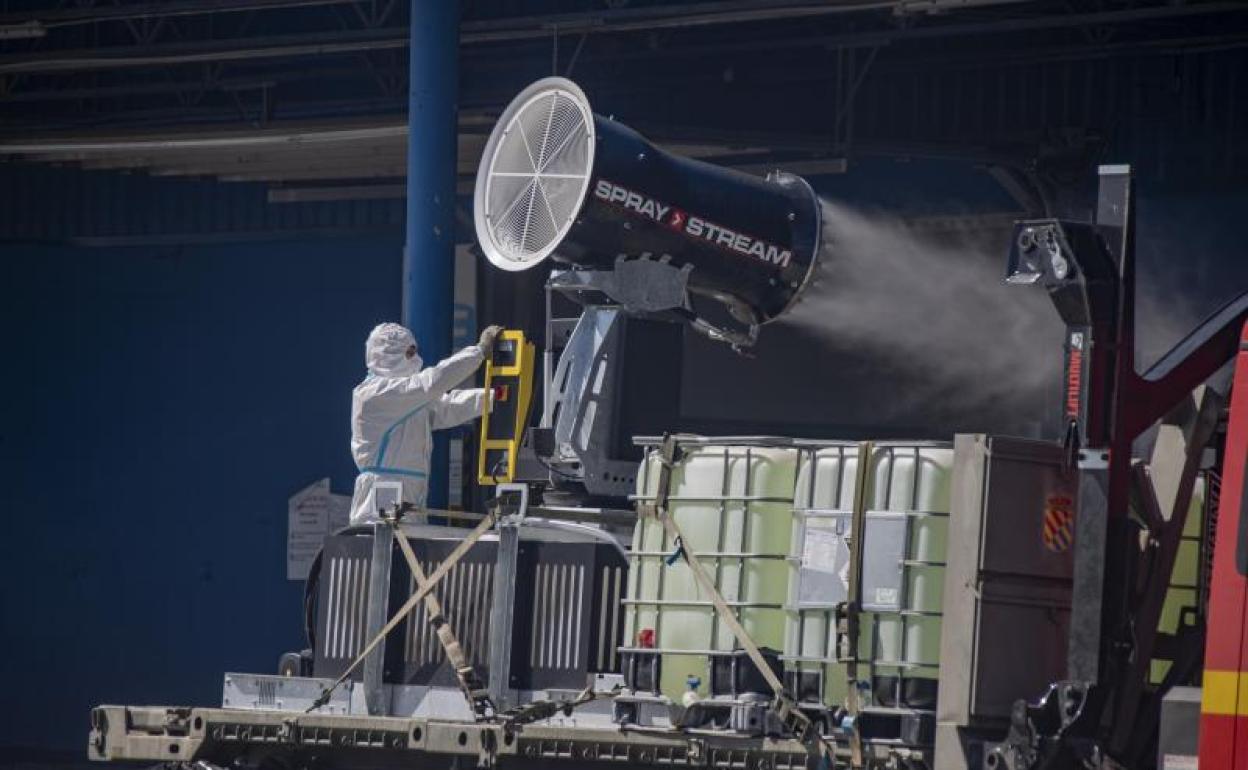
point(488, 336)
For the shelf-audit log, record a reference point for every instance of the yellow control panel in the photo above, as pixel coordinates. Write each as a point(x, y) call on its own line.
point(509, 376)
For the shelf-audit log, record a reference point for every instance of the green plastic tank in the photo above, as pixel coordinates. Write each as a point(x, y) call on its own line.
point(733, 499)
point(823, 507)
point(907, 522)
point(771, 520)
point(912, 482)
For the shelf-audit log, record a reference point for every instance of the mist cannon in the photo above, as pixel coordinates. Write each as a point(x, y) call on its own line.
point(560, 183)
point(633, 234)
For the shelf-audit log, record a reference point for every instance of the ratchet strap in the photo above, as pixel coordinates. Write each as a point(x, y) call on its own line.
point(858, 540)
point(422, 591)
point(793, 719)
point(544, 709)
point(474, 689)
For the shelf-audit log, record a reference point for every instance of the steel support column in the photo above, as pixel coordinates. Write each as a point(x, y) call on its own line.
point(376, 614)
point(429, 255)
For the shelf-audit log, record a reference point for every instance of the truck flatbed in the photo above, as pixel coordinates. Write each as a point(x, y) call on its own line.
point(222, 736)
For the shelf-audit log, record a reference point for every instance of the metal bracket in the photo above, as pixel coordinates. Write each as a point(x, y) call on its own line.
point(502, 609)
point(639, 286)
point(515, 518)
point(654, 288)
point(378, 609)
point(582, 404)
point(1055, 732)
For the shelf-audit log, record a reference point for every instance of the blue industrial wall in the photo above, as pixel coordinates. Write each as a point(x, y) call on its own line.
point(160, 403)
point(57, 204)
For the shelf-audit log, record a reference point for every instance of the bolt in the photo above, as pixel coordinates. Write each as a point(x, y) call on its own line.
point(1061, 268)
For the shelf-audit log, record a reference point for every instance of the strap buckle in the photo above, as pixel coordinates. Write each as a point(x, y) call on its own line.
point(506, 492)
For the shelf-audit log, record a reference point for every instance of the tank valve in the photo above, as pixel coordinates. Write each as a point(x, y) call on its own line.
point(690, 697)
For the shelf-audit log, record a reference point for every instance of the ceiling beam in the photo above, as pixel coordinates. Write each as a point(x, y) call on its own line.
point(208, 51)
point(337, 193)
point(349, 41)
point(79, 14)
point(395, 171)
point(539, 26)
point(868, 38)
point(277, 137)
point(227, 163)
point(686, 15)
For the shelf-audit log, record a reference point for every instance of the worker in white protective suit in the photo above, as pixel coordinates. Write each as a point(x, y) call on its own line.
point(397, 407)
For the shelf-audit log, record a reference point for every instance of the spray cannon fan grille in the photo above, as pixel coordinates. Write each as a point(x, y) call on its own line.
point(534, 174)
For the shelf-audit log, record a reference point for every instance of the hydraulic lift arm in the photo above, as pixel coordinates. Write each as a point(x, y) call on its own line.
point(1089, 273)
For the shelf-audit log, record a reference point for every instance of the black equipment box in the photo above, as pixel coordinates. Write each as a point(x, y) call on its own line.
point(568, 619)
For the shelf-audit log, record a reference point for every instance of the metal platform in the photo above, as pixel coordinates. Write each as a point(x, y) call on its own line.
point(249, 738)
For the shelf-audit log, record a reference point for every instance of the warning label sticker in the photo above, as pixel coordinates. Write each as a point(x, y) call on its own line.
point(1058, 528)
point(825, 563)
point(887, 596)
point(820, 550)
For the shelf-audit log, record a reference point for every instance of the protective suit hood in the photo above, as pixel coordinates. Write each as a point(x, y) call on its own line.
point(386, 349)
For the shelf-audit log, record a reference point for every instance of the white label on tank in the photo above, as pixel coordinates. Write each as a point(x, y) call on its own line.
point(886, 596)
point(1179, 762)
point(820, 549)
point(825, 565)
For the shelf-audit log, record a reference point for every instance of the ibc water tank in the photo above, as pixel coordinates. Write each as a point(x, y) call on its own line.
point(734, 503)
point(770, 519)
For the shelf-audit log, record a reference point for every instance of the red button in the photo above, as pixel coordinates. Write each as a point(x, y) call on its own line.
point(500, 392)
